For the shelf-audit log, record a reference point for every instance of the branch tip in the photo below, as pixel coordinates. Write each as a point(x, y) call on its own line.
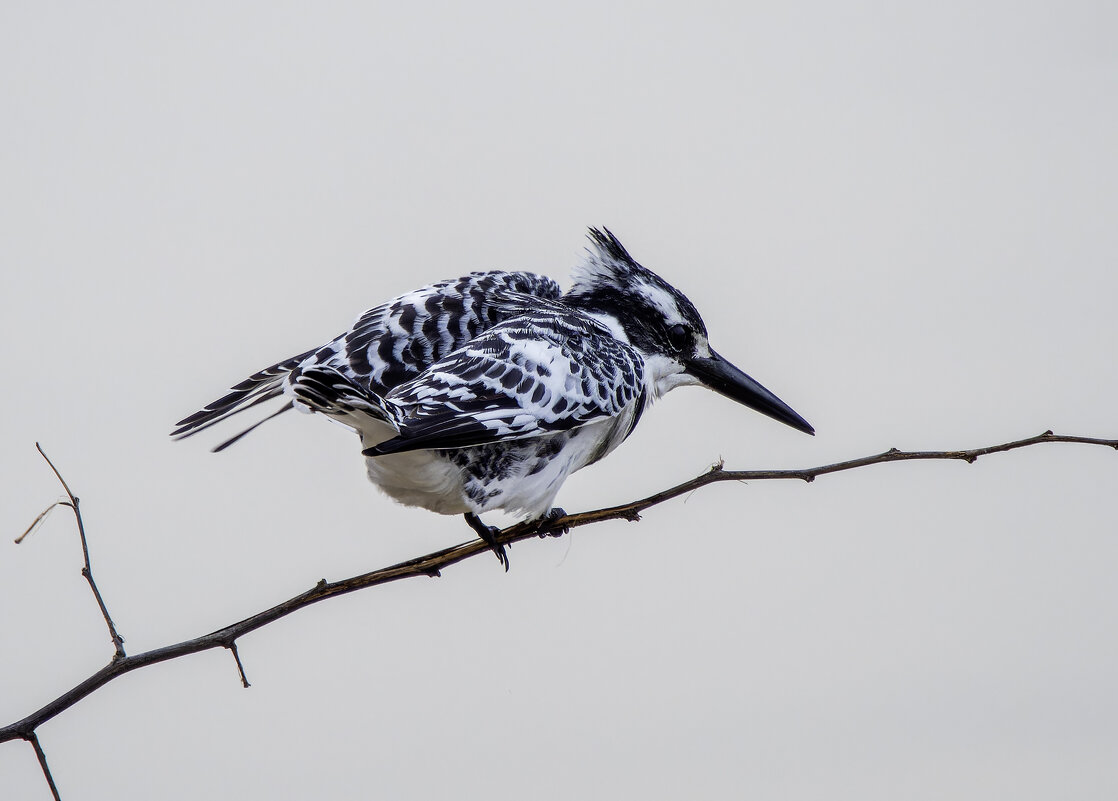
point(38, 521)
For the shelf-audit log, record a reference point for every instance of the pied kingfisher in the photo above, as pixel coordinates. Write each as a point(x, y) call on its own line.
point(485, 392)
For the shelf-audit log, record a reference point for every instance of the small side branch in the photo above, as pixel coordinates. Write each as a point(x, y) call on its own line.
point(87, 570)
point(232, 646)
point(42, 757)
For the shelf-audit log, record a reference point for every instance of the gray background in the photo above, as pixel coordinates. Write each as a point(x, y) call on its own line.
point(900, 217)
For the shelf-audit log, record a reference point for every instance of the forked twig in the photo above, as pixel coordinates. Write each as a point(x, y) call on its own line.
point(87, 571)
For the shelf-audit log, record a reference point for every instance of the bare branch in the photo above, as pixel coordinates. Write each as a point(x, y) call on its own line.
point(87, 571)
point(432, 564)
point(42, 757)
point(631, 511)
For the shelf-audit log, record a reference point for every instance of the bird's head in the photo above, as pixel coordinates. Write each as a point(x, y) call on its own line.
point(664, 327)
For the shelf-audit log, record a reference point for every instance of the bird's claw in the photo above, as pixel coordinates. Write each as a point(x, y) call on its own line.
point(545, 522)
point(488, 535)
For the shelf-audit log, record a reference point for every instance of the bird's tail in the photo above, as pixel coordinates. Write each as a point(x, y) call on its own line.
point(323, 389)
point(254, 390)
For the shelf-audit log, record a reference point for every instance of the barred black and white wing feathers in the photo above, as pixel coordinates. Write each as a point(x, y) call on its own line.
point(398, 340)
point(321, 388)
point(546, 371)
point(389, 344)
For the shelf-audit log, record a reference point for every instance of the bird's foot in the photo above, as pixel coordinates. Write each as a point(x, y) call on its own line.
point(549, 518)
point(489, 535)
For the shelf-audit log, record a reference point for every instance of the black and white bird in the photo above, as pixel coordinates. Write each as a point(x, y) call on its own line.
point(485, 392)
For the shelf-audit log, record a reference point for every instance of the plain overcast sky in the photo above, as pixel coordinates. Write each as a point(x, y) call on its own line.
point(902, 218)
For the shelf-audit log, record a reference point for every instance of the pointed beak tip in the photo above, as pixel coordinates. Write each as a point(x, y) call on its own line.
point(796, 422)
point(726, 379)
point(800, 424)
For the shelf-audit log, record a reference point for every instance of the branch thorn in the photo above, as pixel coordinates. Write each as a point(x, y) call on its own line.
point(232, 646)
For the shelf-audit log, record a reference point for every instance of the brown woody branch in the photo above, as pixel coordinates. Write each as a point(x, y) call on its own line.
point(432, 564)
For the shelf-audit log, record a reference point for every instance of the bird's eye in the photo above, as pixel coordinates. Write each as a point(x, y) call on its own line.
point(678, 337)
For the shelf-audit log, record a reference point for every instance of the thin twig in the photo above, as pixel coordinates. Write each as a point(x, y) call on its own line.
point(433, 563)
point(87, 571)
point(38, 521)
point(34, 740)
point(232, 646)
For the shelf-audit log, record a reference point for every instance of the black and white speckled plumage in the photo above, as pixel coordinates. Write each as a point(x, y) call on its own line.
point(487, 391)
point(392, 342)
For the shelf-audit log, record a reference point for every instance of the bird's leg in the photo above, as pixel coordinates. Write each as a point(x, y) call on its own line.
point(548, 519)
point(489, 535)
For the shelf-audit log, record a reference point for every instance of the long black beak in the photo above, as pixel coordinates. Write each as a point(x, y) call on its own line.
point(724, 378)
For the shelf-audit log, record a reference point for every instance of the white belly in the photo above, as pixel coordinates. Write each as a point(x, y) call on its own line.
point(415, 478)
point(516, 478)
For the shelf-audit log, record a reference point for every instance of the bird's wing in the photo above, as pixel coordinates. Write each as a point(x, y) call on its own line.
point(548, 370)
point(397, 341)
point(391, 343)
